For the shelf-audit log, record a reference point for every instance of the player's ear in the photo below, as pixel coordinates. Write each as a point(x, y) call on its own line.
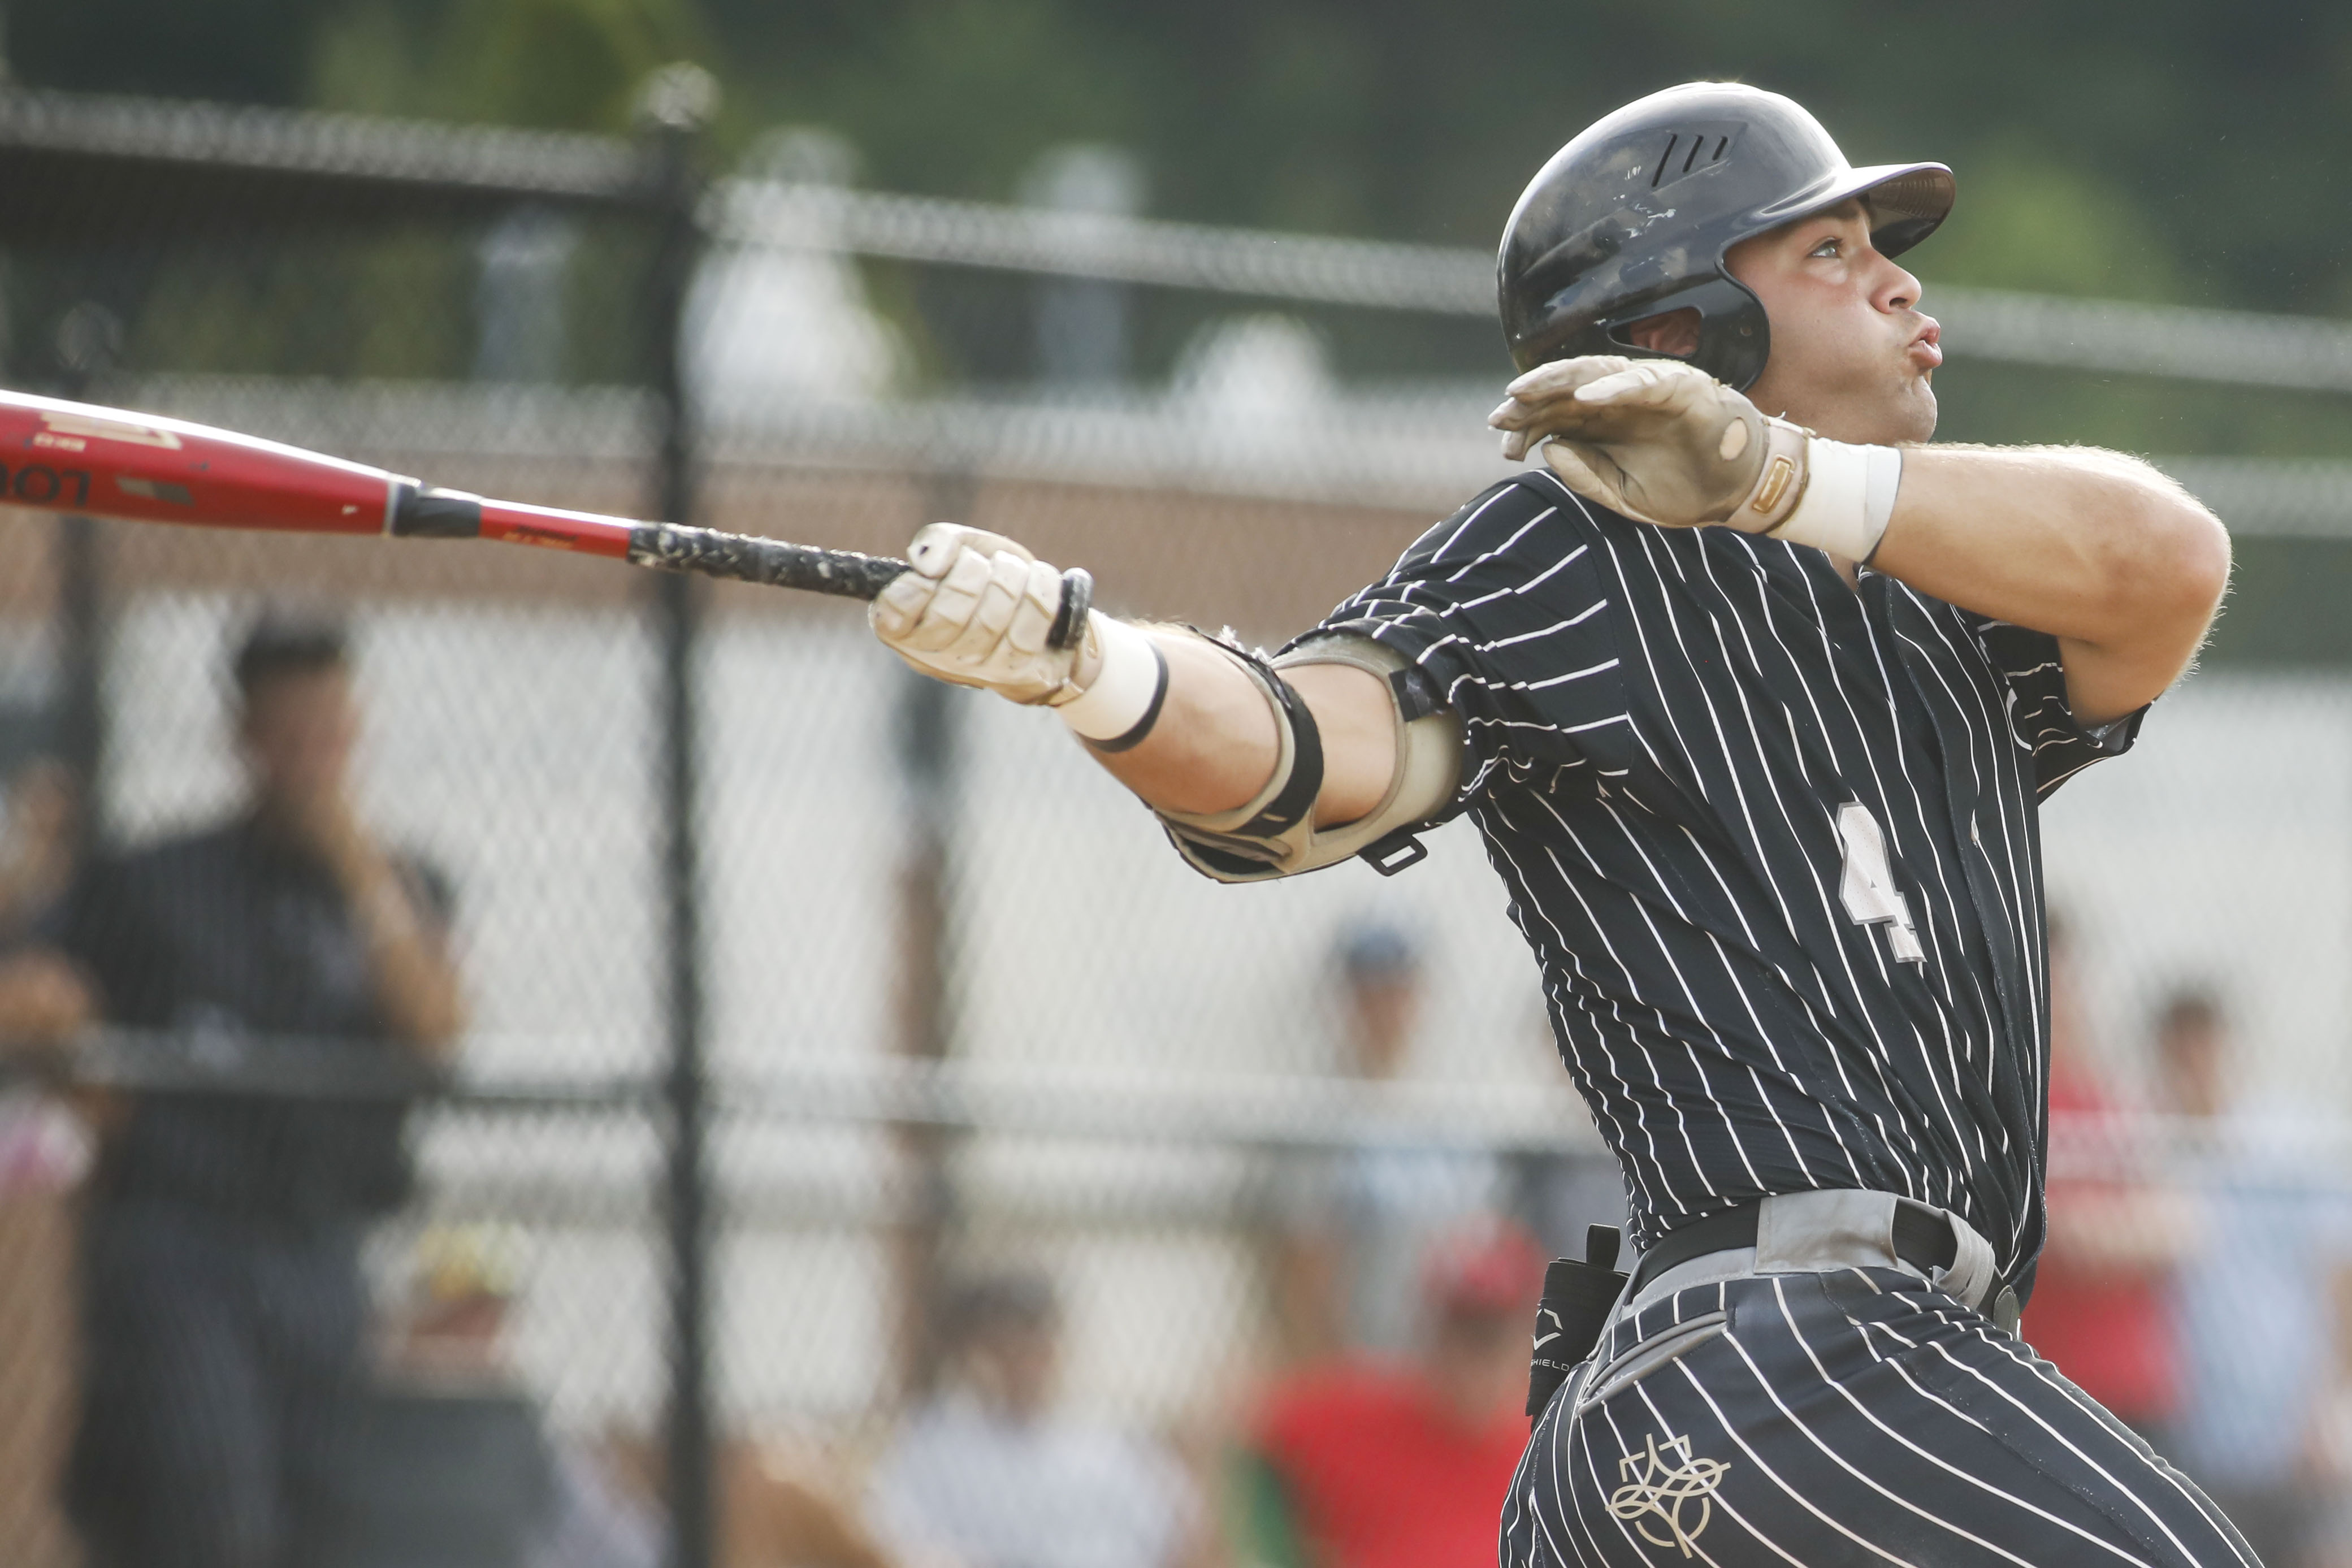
point(1674, 333)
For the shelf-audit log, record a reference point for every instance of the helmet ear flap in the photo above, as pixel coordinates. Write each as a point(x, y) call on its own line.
point(1735, 339)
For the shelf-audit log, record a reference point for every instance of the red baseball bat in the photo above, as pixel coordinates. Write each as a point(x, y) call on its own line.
point(141, 468)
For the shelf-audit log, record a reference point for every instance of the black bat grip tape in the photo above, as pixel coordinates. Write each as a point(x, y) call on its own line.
point(772, 562)
point(845, 573)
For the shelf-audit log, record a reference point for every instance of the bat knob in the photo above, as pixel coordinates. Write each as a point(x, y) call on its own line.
point(1077, 598)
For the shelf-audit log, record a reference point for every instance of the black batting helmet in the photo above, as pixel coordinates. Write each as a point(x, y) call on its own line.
point(1632, 220)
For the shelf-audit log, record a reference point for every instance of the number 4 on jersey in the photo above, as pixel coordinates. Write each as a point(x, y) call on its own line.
point(1868, 889)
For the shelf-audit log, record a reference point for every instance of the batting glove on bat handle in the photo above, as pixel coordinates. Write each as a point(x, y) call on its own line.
point(845, 574)
point(975, 608)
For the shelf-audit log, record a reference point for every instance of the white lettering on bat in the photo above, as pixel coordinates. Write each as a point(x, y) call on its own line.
point(105, 429)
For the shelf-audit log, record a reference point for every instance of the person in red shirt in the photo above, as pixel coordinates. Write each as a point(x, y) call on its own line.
point(1363, 1462)
point(2098, 1310)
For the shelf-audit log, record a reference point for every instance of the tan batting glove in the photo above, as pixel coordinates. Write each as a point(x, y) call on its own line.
point(975, 610)
point(1657, 440)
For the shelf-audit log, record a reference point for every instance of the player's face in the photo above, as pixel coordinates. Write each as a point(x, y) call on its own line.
point(1014, 1368)
point(1851, 355)
point(299, 731)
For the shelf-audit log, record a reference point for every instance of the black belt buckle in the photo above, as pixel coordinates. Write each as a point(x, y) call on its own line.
point(1577, 1301)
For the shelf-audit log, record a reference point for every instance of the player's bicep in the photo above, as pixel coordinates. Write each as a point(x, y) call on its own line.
point(2104, 683)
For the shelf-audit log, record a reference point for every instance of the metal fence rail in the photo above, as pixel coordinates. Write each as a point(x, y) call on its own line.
point(2236, 347)
point(203, 148)
point(53, 134)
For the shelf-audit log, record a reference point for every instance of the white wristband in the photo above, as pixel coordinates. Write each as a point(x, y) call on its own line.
point(1126, 690)
point(1849, 496)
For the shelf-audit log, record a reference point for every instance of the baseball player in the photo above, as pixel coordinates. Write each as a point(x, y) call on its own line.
point(1754, 695)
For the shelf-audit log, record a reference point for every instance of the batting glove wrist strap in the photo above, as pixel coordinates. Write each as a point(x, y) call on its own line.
point(1844, 496)
point(1122, 702)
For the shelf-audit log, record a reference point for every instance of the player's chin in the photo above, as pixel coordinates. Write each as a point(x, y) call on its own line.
point(1913, 409)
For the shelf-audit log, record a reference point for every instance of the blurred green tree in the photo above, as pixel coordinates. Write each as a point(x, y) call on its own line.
point(568, 65)
point(247, 51)
point(2044, 226)
point(2193, 148)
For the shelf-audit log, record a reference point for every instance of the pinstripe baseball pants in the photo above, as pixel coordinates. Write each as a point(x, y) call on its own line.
point(1852, 1416)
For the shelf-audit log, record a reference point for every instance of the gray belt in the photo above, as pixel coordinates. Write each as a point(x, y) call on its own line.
point(1811, 1233)
point(1795, 1233)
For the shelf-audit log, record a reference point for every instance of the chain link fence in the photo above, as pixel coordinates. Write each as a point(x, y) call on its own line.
point(822, 1023)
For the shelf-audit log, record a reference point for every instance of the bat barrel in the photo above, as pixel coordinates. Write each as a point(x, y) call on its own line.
point(145, 469)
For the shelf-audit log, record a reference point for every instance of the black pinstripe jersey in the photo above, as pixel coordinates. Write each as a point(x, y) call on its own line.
point(1773, 841)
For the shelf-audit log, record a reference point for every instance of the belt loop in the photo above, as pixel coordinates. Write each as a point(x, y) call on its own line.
point(1970, 1278)
point(1825, 1228)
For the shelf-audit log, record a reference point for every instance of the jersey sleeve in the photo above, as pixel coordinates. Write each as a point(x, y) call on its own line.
point(1502, 606)
point(2040, 716)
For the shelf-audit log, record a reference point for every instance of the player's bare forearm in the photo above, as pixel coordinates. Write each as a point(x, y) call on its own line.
point(417, 988)
point(416, 984)
point(1175, 717)
point(1214, 744)
point(2098, 550)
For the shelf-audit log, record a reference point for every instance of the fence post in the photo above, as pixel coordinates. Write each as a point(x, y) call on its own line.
point(929, 768)
point(676, 104)
point(89, 340)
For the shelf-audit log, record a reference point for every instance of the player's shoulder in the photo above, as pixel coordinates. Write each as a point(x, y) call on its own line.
point(202, 853)
point(126, 896)
point(2019, 652)
point(1530, 517)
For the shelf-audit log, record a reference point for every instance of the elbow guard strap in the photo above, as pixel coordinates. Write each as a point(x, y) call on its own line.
point(1274, 834)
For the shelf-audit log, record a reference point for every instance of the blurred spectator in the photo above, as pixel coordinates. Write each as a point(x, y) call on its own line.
point(1353, 1225)
point(451, 1466)
point(43, 1151)
point(2097, 1309)
point(990, 1474)
point(36, 858)
point(1374, 1463)
point(458, 1468)
point(2254, 1309)
point(223, 1306)
point(2328, 1535)
point(43, 1002)
point(455, 1467)
point(780, 1505)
